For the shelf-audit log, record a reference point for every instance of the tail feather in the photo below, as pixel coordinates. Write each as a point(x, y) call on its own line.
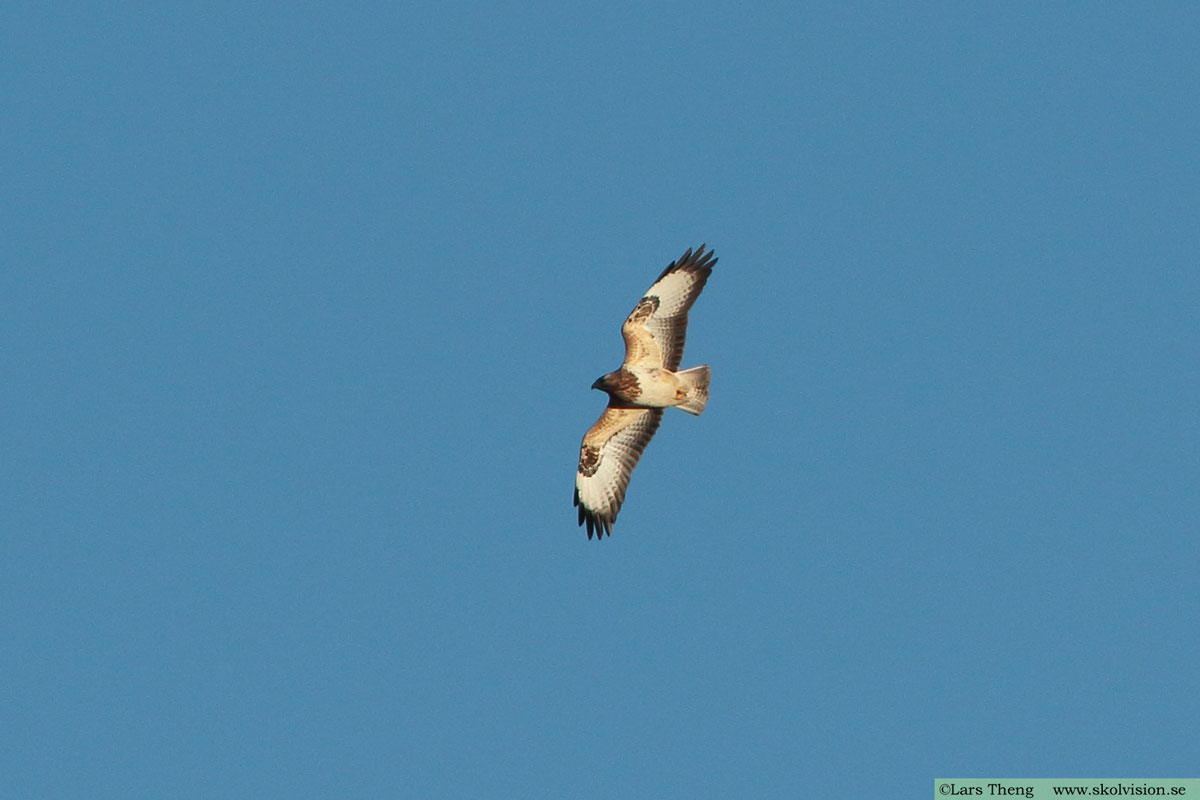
point(695, 380)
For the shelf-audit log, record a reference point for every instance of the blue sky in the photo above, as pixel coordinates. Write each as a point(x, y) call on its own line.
point(300, 308)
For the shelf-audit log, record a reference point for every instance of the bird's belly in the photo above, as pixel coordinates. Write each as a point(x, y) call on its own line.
point(657, 388)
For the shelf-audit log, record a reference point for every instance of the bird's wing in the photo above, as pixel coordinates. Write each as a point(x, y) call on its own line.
point(610, 450)
point(655, 330)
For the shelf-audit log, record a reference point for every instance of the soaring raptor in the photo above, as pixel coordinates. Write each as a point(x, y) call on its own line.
point(638, 392)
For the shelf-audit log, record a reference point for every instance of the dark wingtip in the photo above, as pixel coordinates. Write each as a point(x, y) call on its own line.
point(693, 259)
point(594, 524)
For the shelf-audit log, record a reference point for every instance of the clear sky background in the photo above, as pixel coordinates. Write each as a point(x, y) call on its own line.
point(300, 304)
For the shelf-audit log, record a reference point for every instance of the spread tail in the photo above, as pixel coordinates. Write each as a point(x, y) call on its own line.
point(695, 381)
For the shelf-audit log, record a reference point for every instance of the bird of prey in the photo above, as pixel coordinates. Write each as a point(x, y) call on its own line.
point(646, 383)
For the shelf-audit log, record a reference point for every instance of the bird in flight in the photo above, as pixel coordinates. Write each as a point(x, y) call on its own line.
point(646, 383)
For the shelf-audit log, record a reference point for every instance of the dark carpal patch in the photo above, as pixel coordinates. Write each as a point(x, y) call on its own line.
point(645, 308)
point(589, 460)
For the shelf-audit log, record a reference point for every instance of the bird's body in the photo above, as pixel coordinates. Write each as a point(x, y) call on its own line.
point(648, 381)
point(649, 387)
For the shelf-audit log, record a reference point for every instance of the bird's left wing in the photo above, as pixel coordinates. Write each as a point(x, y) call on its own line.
point(609, 452)
point(655, 330)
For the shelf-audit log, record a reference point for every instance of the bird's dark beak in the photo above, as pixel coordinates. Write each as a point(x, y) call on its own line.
point(599, 384)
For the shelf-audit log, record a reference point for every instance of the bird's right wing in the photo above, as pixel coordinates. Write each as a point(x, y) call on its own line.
point(609, 452)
